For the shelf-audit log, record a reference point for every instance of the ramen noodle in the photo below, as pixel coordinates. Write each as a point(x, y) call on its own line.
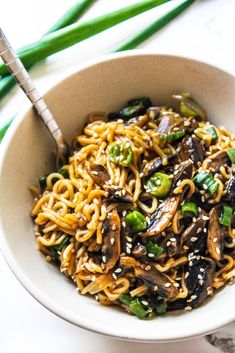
point(142, 216)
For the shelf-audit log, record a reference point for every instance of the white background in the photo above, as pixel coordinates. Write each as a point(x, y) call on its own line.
point(206, 32)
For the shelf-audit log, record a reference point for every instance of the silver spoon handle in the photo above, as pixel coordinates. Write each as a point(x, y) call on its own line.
point(21, 75)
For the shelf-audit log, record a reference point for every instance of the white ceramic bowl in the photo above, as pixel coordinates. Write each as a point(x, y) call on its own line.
point(25, 153)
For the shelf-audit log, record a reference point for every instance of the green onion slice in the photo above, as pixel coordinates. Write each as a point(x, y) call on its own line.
point(189, 209)
point(159, 185)
point(212, 131)
point(152, 248)
point(121, 153)
point(231, 154)
point(172, 136)
point(226, 216)
point(206, 181)
point(136, 221)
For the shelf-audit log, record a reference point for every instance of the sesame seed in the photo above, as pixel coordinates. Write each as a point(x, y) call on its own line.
point(193, 239)
point(194, 219)
point(205, 218)
point(150, 255)
point(168, 243)
point(190, 263)
point(199, 276)
point(104, 259)
point(123, 224)
point(205, 187)
point(176, 285)
point(112, 241)
point(114, 276)
point(194, 296)
point(114, 227)
point(147, 268)
point(199, 230)
point(128, 251)
point(129, 245)
point(215, 240)
point(168, 284)
point(118, 270)
point(188, 308)
point(178, 183)
point(129, 239)
point(202, 269)
point(123, 192)
point(94, 172)
point(155, 288)
point(217, 250)
point(144, 302)
point(172, 239)
point(204, 230)
point(201, 282)
point(141, 175)
point(96, 297)
point(199, 209)
point(203, 199)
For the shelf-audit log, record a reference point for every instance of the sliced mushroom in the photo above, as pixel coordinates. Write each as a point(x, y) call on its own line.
point(154, 165)
point(185, 171)
point(99, 174)
point(157, 281)
point(139, 250)
point(111, 244)
point(162, 216)
point(191, 148)
point(197, 244)
point(216, 233)
point(120, 195)
point(165, 125)
point(216, 160)
point(193, 231)
point(199, 280)
point(230, 190)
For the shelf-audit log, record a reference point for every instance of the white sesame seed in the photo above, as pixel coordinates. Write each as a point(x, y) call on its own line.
point(215, 240)
point(203, 199)
point(104, 259)
point(199, 230)
point(217, 250)
point(150, 255)
point(129, 239)
point(129, 245)
point(178, 183)
point(188, 308)
point(144, 302)
point(94, 172)
point(114, 276)
point(176, 285)
point(114, 227)
point(201, 282)
point(124, 192)
point(128, 251)
point(123, 224)
point(190, 263)
point(205, 218)
point(124, 213)
point(205, 187)
point(193, 239)
point(204, 230)
point(172, 239)
point(194, 296)
point(155, 288)
point(112, 241)
point(194, 219)
point(141, 175)
point(168, 284)
point(199, 209)
point(168, 243)
point(199, 276)
point(186, 275)
point(202, 269)
point(158, 182)
point(118, 270)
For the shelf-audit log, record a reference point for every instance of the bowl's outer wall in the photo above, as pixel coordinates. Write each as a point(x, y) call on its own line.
point(105, 86)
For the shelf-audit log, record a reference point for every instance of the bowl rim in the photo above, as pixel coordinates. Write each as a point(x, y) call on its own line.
point(192, 332)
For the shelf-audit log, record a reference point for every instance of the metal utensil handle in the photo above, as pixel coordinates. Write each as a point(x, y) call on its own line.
point(20, 74)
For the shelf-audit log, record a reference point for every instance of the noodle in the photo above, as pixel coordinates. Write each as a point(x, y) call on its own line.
point(131, 218)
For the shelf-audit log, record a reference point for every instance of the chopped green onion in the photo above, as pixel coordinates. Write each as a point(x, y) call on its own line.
point(159, 184)
point(172, 136)
point(189, 107)
point(42, 183)
point(152, 248)
point(161, 308)
point(137, 308)
point(226, 216)
point(121, 153)
point(189, 209)
point(136, 221)
point(126, 298)
point(213, 133)
point(231, 154)
point(135, 305)
point(206, 181)
point(64, 172)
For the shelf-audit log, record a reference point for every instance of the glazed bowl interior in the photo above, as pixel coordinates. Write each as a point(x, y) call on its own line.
point(103, 85)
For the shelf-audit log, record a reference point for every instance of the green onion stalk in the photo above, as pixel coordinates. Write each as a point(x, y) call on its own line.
point(131, 44)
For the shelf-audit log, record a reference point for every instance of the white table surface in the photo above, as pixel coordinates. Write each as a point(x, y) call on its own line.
point(205, 32)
